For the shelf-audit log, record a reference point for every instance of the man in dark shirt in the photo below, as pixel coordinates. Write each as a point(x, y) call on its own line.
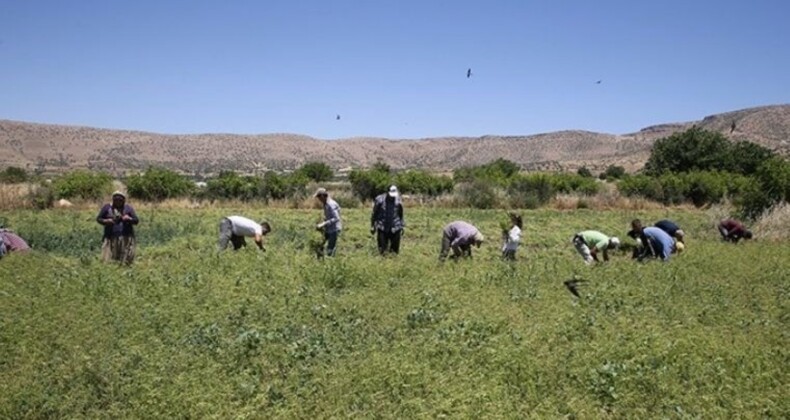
point(118, 219)
point(387, 221)
point(732, 231)
point(672, 229)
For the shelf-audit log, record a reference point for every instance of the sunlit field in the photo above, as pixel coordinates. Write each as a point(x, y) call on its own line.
point(184, 333)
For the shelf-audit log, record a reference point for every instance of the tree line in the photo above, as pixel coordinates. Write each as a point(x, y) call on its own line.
point(695, 166)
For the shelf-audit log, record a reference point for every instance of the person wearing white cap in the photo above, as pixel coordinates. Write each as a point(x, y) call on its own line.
point(118, 219)
point(387, 221)
point(589, 242)
point(459, 236)
point(332, 224)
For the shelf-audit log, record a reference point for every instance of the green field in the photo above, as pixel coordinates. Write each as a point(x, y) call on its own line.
point(186, 334)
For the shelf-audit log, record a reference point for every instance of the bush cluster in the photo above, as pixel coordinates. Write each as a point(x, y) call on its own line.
point(13, 175)
point(230, 185)
point(699, 188)
point(702, 167)
point(158, 184)
point(367, 184)
point(83, 184)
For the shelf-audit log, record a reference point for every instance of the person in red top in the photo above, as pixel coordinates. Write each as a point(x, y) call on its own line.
point(732, 231)
point(11, 242)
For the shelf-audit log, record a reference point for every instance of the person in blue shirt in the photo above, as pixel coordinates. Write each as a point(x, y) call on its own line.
point(661, 244)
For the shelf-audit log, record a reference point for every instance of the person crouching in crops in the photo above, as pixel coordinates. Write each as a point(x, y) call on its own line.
point(672, 229)
point(459, 236)
point(732, 230)
point(234, 229)
point(118, 219)
point(590, 242)
point(11, 242)
point(511, 237)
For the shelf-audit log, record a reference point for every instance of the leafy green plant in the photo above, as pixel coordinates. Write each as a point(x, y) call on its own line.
point(83, 184)
point(157, 184)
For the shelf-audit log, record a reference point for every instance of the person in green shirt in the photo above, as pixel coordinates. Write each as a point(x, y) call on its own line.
point(590, 242)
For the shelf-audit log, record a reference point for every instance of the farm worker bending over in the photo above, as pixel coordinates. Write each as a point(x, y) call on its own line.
point(332, 225)
point(387, 221)
point(236, 228)
point(118, 218)
point(732, 230)
point(11, 242)
point(672, 229)
point(460, 236)
point(589, 242)
point(661, 245)
point(512, 237)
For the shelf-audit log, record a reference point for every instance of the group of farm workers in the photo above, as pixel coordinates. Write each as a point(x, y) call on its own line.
point(387, 223)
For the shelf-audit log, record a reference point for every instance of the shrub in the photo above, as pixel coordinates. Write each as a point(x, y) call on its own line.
point(499, 171)
point(316, 171)
point(478, 194)
point(83, 184)
point(423, 182)
point(612, 172)
point(368, 184)
point(572, 183)
point(157, 184)
point(13, 175)
point(771, 186)
point(531, 191)
point(584, 172)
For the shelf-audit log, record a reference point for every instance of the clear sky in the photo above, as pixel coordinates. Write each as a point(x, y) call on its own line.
point(392, 69)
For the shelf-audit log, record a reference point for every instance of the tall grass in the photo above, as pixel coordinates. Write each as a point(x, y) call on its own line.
point(185, 333)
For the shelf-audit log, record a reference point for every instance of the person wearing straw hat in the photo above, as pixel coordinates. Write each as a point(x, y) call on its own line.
point(589, 243)
point(332, 224)
point(118, 219)
point(387, 221)
point(459, 236)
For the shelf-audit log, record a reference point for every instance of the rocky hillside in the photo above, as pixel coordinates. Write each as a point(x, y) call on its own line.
point(56, 148)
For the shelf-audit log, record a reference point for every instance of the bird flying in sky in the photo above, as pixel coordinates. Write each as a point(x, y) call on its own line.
point(468, 73)
point(338, 117)
point(598, 82)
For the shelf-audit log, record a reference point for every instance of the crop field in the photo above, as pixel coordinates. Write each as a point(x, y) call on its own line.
point(185, 333)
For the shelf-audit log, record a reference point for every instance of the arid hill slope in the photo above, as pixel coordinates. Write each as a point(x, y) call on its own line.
point(55, 148)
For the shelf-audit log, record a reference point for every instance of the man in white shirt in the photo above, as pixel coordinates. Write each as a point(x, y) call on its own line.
point(235, 228)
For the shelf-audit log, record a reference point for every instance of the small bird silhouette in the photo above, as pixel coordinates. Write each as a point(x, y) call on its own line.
point(468, 73)
point(573, 284)
point(598, 82)
point(338, 117)
point(732, 127)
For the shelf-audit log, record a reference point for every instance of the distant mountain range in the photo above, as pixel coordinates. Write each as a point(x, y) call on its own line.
point(57, 148)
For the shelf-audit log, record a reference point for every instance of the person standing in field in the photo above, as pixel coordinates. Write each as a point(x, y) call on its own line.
point(511, 237)
point(459, 236)
point(118, 219)
point(234, 229)
point(732, 230)
point(332, 224)
point(589, 243)
point(672, 229)
point(11, 242)
point(387, 221)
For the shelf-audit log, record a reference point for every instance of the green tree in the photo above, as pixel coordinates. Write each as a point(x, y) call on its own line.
point(13, 175)
point(692, 150)
point(613, 172)
point(157, 184)
point(584, 172)
point(317, 171)
point(83, 184)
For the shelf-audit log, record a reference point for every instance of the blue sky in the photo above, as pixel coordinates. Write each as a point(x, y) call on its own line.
point(393, 69)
